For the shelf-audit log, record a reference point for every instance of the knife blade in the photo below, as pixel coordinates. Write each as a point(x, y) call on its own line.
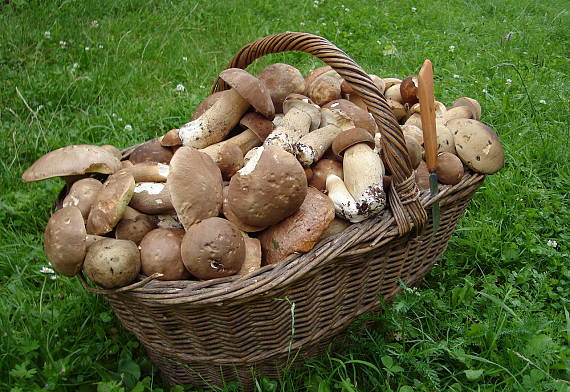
point(427, 113)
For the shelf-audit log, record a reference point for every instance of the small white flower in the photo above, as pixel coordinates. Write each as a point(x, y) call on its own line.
point(47, 270)
point(202, 86)
point(509, 81)
point(113, 115)
point(525, 52)
point(120, 119)
point(484, 90)
point(100, 46)
point(128, 127)
point(542, 101)
point(414, 9)
point(452, 48)
point(62, 44)
point(347, 9)
point(180, 87)
point(87, 48)
point(184, 58)
point(455, 76)
point(302, 23)
point(47, 35)
point(552, 243)
point(378, 42)
point(94, 24)
point(53, 277)
point(324, 24)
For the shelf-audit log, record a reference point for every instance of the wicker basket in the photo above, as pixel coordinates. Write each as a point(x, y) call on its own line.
point(211, 332)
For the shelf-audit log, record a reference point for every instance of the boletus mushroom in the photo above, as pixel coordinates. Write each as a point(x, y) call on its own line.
point(112, 263)
point(83, 194)
point(160, 252)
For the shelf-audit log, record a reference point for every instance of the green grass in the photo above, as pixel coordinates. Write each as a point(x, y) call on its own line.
point(493, 314)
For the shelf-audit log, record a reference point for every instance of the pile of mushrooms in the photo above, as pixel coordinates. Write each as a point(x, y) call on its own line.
point(263, 170)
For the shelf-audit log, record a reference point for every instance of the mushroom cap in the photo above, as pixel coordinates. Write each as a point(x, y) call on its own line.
point(393, 93)
point(135, 229)
point(413, 131)
point(111, 203)
point(229, 160)
point(113, 150)
point(252, 89)
point(281, 80)
point(445, 138)
point(160, 252)
point(229, 214)
point(151, 151)
point(83, 194)
point(409, 90)
point(171, 139)
point(360, 117)
point(213, 248)
point(269, 188)
point(252, 260)
point(64, 240)
point(258, 124)
point(472, 104)
point(195, 186)
point(314, 74)
point(322, 169)
point(304, 104)
point(207, 103)
point(477, 145)
point(72, 160)
point(449, 168)
point(349, 138)
point(414, 150)
point(112, 263)
point(151, 198)
point(378, 82)
point(422, 176)
point(325, 88)
point(300, 231)
point(389, 82)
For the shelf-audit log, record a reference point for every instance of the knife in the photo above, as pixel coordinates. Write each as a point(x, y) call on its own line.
point(427, 113)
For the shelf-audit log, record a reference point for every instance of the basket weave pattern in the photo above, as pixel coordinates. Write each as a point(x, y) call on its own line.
point(211, 332)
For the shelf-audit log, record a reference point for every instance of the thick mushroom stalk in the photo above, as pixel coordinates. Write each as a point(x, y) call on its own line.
point(216, 122)
point(311, 147)
point(301, 116)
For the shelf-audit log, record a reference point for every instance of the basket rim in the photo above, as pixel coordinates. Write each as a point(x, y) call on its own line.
point(376, 230)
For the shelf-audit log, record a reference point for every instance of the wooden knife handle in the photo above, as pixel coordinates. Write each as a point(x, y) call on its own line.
point(427, 113)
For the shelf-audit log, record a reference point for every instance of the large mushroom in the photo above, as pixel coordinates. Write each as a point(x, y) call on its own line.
point(151, 151)
point(160, 252)
point(281, 80)
point(216, 122)
point(82, 195)
point(72, 161)
point(152, 198)
point(66, 241)
point(361, 194)
point(112, 263)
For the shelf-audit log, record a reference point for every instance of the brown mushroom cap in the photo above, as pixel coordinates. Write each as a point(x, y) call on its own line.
point(360, 117)
point(422, 176)
point(134, 228)
point(195, 185)
point(112, 263)
point(414, 150)
point(325, 88)
point(111, 202)
point(413, 131)
point(229, 214)
point(213, 248)
point(171, 139)
point(349, 138)
point(261, 126)
point(151, 151)
point(281, 80)
point(113, 150)
point(72, 160)
point(268, 189)
point(207, 103)
point(160, 252)
point(477, 145)
point(83, 194)
point(252, 89)
point(409, 90)
point(64, 241)
point(472, 104)
point(300, 231)
point(315, 74)
point(449, 168)
point(229, 160)
point(151, 198)
point(321, 171)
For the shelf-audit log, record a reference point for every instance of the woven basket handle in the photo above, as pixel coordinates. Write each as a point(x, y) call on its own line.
point(404, 193)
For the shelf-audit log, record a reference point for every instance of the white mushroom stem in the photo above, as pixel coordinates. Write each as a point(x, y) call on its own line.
point(245, 141)
point(216, 122)
point(344, 204)
point(363, 171)
point(294, 125)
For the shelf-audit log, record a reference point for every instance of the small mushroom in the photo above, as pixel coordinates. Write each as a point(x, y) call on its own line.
point(472, 104)
point(151, 198)
point(195, 186)
point(216, 122)
point(360, 117)
point(269, 188)
point(445, 139)
point(281, 80)
point(415, 151)
point(82, 195)
point(457, 112)
point(393, 93)
point(300, 231)
point(422, 176)
point(413, 131)
point(449, 168)
point(134, 225)
point(325, 88)
point(213, 248)
point(314, 74)
point(66, 241)
point(409, 90)
point(477, 145)
point(321, 171)
point(111, 203)
point(71, 161)
point(160, 252)
point(112, 263)
point(389, 82)
point(151, 151)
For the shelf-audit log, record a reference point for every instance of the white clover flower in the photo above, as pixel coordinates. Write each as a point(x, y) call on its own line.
point(113, 115)
point(414, 9)
point(455, 76)
point(53, 277)
point(184, 58)
point(47, 270)
point(120, 119)
point(94, 24)
point(484, 90)
point(302, 23)
point(542, 101)
point(87, 48)
point(552, 243)
point(100, 46)
point(509, 81)
point(180, 87)
point(128, 127)
point(47, 35)
point(202, 86)
point(62, 44)
point(452, 48)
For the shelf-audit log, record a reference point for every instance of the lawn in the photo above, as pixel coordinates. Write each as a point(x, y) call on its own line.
point(492, 315)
